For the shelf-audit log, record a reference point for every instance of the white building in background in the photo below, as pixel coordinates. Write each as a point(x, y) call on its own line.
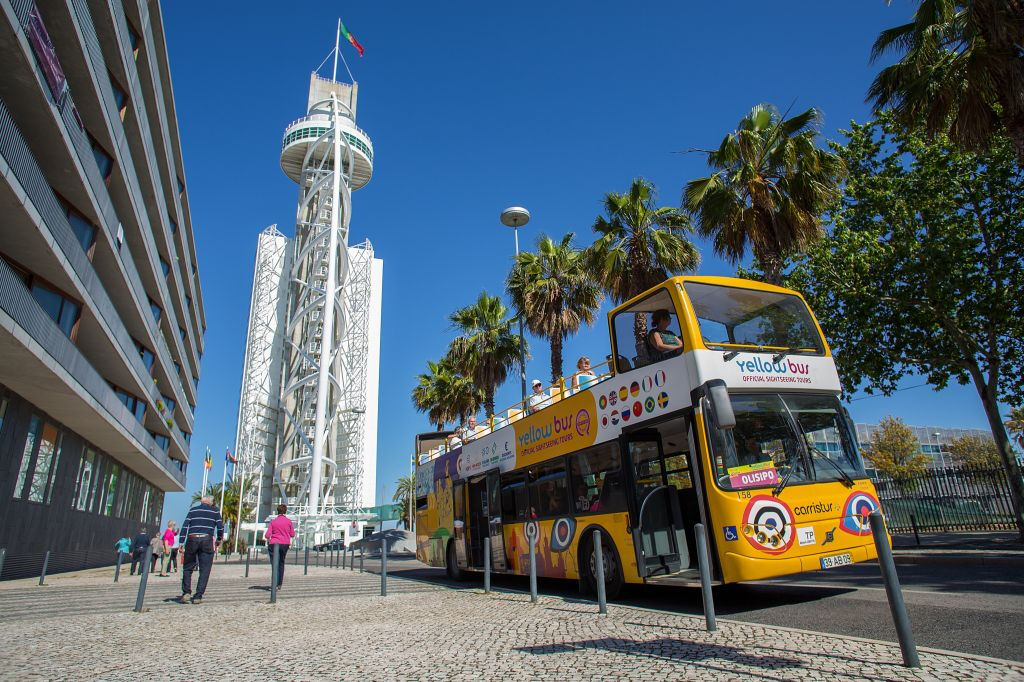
point(307, 426)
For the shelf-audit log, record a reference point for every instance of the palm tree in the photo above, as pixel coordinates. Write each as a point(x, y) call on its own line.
point(1015, 424)
point(445, 394)
point(961, 73)
point(768, 190)
point(486, 348)
point(639, 245)
point(231, 492)
point(405, 492)
point(554, 293)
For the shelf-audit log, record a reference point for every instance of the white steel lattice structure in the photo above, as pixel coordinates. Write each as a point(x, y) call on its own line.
point(323, 400)
point(259, 403)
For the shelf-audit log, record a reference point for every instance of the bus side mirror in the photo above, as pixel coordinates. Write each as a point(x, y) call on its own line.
point(721, 405)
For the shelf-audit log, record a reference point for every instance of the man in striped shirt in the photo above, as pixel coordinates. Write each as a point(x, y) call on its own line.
point(200, 536)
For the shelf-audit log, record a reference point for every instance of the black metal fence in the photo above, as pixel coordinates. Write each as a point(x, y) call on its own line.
point(963, 498)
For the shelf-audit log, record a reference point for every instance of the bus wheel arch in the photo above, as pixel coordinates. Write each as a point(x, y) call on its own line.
point(613, 576)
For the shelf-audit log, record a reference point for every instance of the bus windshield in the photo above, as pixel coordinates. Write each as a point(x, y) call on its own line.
point(733, 316)
point(804, 438)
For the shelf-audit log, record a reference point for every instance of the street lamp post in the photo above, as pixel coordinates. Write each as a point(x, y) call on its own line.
point(515, 217)
point(942, 455)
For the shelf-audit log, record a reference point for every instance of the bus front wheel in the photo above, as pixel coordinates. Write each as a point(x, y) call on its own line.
point(612, 566)
point(451, 565)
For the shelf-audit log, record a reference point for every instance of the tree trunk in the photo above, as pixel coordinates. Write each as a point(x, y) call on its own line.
point(489, 401)
point(640, 334)
point(1013, 473)
point(556, 358)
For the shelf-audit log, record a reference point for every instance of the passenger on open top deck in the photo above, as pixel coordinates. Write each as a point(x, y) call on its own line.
point(583, 377)
point(539, 398)
point(663, 343)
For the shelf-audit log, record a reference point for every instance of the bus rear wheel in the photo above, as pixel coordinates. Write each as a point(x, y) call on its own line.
point(451, 565)
point(612, 566)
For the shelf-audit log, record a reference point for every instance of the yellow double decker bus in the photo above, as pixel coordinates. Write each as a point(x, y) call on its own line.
point(740, 428)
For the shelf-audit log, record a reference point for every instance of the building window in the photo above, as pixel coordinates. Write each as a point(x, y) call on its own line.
point(3, 411)
point(156, 310)
point(195, 380)
point(85, 231)
point(181, 187)
point(169, 403)
point(110, 490)
point(174, 225)
point(120, 97)
point(46, 55)
point(134, 404)
point(181, 333)
point(133, 40)
point(103, 160)
point(165, 266)
point(84, 482)
point(163, 441)
point(187, 436)
point(61, 309)
point(177, 367)
point(39, 459)
point(147, 356)
point(188, 302)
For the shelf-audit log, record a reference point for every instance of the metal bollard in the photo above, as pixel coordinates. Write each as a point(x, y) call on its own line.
point(274, 568)
point(295, 557)
point(352, 558)
point(344, 556)
point(142, 586)
point(117, 569)
point(305, 567)
point(360, 559)
point(533, 571)
point(3, 556)
point(705, 578)
point(893, 591)
point(247, 553)
point(913, 524)
point(487, 565)
point(602, 599)
point(383, 567)
point(46, 562)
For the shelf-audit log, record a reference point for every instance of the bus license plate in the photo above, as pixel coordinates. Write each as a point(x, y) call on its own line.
point(836, 560)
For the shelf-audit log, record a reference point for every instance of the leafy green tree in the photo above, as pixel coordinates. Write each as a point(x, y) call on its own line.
point(445, 395)
point(924, 270)
point(639, 245)
point(554, 293)
point(961, 72)
point(486, 348)
point(769, 188)
point(405, 493)
point(974, 450)
point(895, 451)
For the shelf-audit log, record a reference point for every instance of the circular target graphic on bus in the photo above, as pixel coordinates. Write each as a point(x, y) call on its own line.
point(562, 533)
point(855, 513)
point(772, 523)
point(532, 531)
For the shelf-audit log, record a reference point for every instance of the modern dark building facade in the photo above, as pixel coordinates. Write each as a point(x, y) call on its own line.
point(101, 312)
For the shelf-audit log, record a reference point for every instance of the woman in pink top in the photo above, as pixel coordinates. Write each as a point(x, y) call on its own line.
point(169, 535)
point(280, 532)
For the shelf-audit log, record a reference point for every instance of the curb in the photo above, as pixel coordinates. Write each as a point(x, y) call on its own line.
point(923, 558)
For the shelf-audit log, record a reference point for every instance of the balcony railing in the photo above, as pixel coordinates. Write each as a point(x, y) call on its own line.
point(17, 302)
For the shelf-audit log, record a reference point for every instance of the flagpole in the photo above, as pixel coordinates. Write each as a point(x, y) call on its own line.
point(206, 472)
point(337, 41)
point(223, 480)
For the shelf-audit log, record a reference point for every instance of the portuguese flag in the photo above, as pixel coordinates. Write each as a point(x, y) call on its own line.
point(351, 38)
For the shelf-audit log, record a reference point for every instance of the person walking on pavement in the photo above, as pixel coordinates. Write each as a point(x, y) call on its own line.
point(140, 548)
point(201, 533)
point(280, 532)
point(156, 547)
point(168, 540)
point(172, 552)
point(124, 545)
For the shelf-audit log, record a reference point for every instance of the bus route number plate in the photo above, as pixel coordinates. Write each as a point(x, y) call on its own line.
point(836, 560)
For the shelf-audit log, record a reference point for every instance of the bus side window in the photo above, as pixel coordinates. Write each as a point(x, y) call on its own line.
point(514, 503)
point(549, 490)
point(597, 480)
point(633, 351)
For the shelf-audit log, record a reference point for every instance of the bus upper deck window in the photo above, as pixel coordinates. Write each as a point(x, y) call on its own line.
point(635, 327)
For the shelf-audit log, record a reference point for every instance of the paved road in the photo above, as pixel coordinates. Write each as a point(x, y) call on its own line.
point(977, 610)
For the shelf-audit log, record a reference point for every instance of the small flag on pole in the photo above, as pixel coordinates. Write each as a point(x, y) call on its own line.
point(229, 457)
point(208, 461)
point(351, 38)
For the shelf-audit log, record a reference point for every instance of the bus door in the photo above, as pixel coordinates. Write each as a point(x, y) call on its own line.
point(658, 533)
point(493, 512)
point(459, 522)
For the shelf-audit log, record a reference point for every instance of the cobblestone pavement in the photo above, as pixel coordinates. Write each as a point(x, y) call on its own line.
point(334, 624)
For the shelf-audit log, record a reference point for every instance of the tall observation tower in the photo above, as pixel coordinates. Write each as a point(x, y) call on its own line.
point(325, 338)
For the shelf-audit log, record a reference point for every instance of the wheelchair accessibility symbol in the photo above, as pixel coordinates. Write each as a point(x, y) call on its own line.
point(730, 533)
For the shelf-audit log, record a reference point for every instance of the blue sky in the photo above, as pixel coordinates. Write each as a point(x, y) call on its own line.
point(473, 107)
